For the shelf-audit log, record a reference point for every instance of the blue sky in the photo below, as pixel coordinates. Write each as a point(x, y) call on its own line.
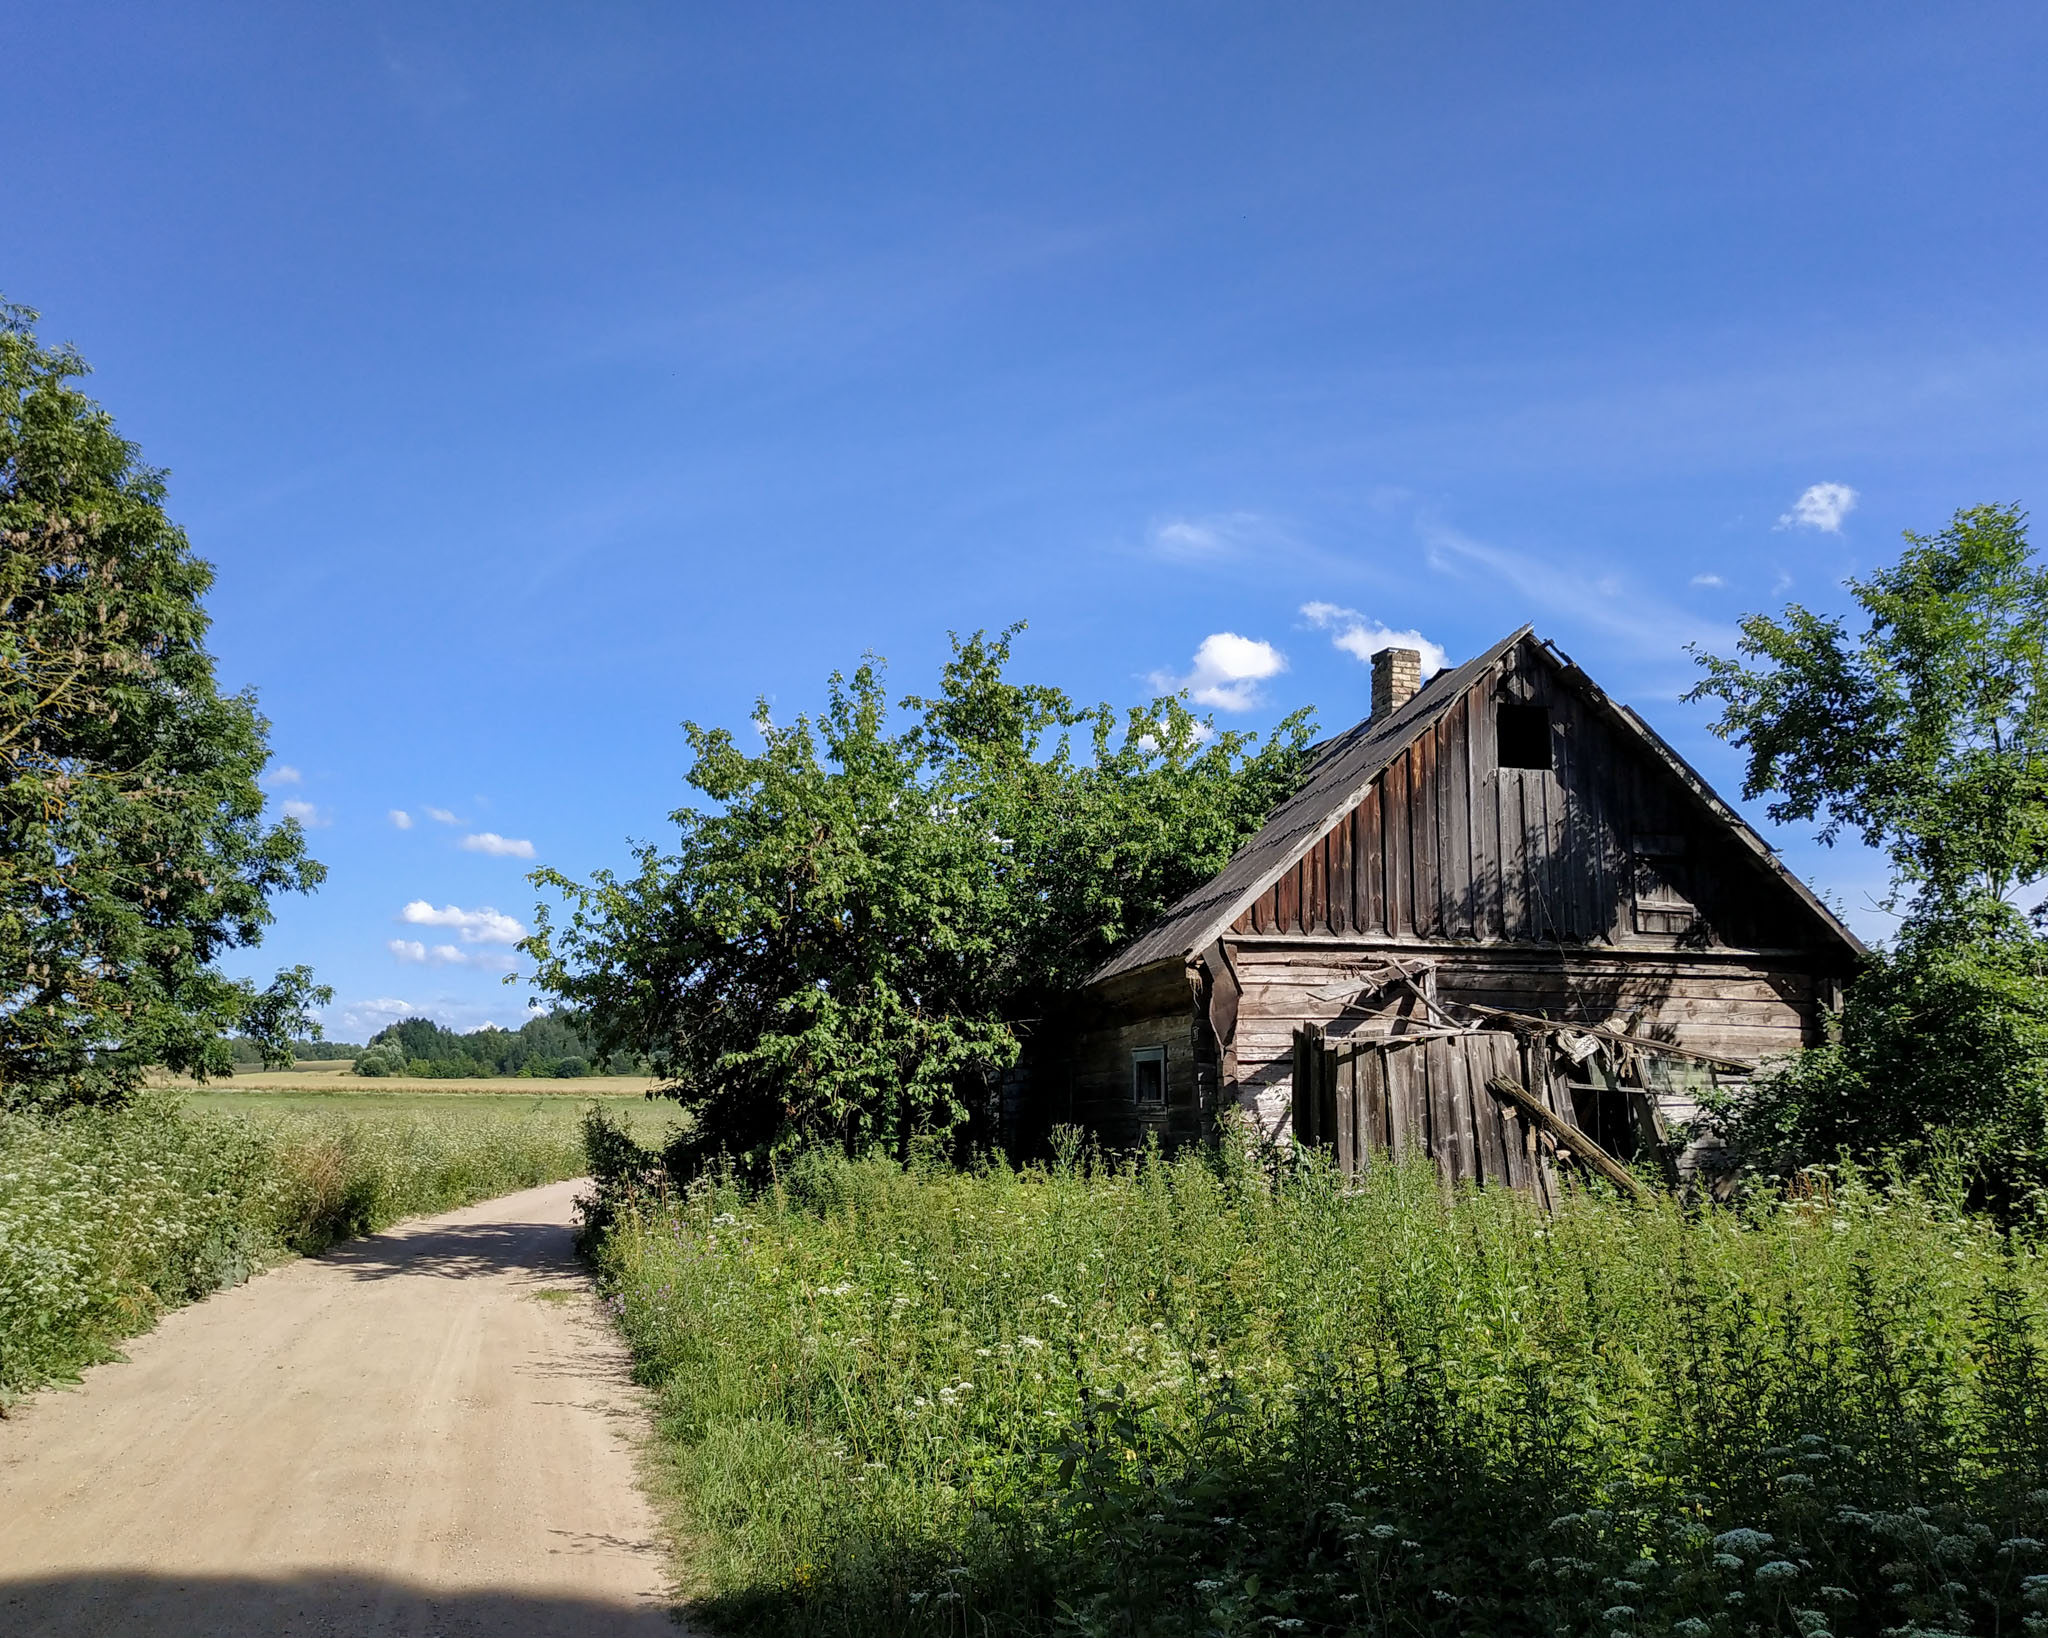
point(537, 377)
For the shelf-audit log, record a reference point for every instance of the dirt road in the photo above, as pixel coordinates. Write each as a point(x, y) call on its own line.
point(427, 1432)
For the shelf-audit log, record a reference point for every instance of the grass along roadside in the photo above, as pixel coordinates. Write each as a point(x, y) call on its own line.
point(110, 1217)
point(1173, 1398)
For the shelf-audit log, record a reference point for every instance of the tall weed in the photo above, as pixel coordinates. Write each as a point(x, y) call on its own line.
point(1173, 1397)
point(110, 1216)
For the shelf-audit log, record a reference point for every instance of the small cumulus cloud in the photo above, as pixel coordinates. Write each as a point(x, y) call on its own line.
point(449, 955)
point(480, 926)
point(1708, 580)
point(401, 819)
point(499, 847)
point(284, 774)
point(1227, 671)
point(1822, 506)
point(1362, 637)
point(441, 816)
point(306, 814)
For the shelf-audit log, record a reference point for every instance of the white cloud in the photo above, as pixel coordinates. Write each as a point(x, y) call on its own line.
point(283, 774)
point(1211, 539)
point(306, 814)
point(1227, 671)
point(441, 816)
point(1362, 637)
point(499, 847)
point(481, 926)
point(401, 819)
point(1822, 506)
point(1708, 580)
point(362, 1019)
point(450, 955)
point(359, 1020)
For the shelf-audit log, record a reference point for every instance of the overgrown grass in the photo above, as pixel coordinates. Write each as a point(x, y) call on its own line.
point(1176, 1398)
point(109, 1217)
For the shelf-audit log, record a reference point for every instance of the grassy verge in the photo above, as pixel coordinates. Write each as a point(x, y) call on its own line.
point(1176, 1399)
point(107, 1218)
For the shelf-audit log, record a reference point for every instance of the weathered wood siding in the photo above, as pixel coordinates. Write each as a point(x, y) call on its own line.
point(1605, 846)
point(1084, 1075)
point(1738, 1005)
point(1366, 1103)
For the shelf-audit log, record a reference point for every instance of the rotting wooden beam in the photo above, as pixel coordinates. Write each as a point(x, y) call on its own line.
point(1642, 1043)
point(1503, 1086)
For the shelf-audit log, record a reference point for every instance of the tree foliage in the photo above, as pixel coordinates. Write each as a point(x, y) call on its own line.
point(1941, 1063)
point(859, 928)
point(551, 1045)
point(1927, 736)
point(133, 848)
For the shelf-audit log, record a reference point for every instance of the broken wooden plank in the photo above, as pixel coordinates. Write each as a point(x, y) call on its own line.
point(1567, 1134)
point(1641, 1043)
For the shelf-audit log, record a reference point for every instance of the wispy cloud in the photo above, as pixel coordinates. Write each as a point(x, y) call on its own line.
point(1609, 603)
point(480, 926)
point(307, 814)
point(499, 847)
point(1708, 580)
point(441, 816)
point(401, 819)
point(1821, 506)
point(359, 1020)
point(1362, 637)
point(1227, 672)
point(1215, 538)
point(283, 774)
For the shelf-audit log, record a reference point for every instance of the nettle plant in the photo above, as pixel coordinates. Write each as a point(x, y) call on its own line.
point(1177, 1397)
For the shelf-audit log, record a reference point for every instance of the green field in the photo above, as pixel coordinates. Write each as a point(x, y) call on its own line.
point(337, 1077)
point(647, 1118)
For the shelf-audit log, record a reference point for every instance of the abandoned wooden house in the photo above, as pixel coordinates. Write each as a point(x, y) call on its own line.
point(1501, 882)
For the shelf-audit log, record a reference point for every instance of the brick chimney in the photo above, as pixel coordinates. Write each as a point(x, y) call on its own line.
point(1396, 677)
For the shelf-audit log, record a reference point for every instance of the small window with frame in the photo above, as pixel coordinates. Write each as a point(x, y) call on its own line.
point(1148, 1077)
point(1524, 734)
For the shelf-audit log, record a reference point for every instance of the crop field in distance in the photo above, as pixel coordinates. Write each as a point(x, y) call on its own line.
point(335, 1077)
point(647, 1118)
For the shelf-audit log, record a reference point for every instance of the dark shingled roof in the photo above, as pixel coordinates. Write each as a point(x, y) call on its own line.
point(1337, 781)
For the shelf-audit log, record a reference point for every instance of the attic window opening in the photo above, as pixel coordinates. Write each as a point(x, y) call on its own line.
point(1148, 1076)
point(1524, 735)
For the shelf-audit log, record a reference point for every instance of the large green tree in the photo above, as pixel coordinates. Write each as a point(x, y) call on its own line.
point(1926, 735)
point(133, 847)
point(863, 921)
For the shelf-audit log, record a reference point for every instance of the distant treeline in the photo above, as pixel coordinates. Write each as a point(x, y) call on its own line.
point(249, 1054)
point(552, 1045)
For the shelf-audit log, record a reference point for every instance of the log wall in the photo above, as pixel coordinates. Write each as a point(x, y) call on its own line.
point(1736, 1005)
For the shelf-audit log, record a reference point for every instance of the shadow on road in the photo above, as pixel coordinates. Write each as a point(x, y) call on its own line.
point(459, 1252)
point(334, 1604)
